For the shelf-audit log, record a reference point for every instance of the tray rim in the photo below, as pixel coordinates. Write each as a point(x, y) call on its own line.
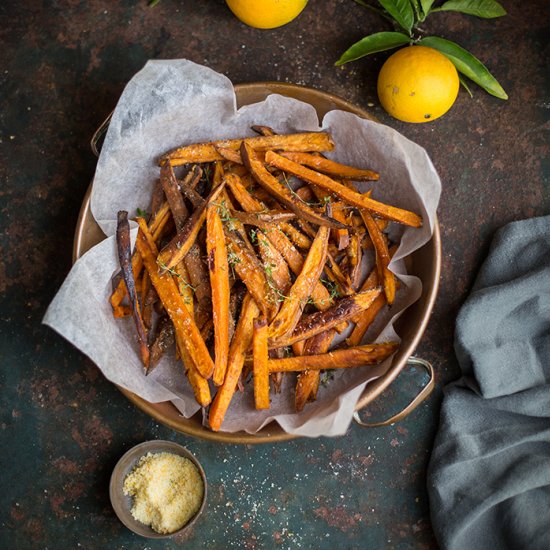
point(374, 388)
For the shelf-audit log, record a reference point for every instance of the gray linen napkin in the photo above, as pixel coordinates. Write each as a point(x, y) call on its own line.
point(489, 473)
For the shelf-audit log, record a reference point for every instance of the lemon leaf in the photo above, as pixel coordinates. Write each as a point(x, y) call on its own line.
point(373, 43)
point(426, 5)
point(487, 9)
point(467, 64)
point(401, 11)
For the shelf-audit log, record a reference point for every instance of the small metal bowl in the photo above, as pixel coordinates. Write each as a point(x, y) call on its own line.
point(122, 504)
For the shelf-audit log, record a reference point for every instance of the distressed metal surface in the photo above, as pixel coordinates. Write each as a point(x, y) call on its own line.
point(63, 427)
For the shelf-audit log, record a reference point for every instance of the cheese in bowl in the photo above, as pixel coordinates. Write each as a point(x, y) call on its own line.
point(167, 491)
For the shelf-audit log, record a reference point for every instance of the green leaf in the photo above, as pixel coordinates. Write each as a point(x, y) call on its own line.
point(373, 43)
point(487, 9)
point(426, 5)
point(467, 64)
point(401, 11)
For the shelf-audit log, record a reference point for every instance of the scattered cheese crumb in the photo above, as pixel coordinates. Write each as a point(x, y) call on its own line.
point(167, 490)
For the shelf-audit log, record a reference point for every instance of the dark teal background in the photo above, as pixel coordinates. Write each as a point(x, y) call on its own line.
point(63, 427)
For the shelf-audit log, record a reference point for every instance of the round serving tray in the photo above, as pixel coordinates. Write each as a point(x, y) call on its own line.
point(425, 263)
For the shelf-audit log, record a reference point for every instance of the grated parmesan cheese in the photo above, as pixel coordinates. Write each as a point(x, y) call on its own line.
point(167, 490)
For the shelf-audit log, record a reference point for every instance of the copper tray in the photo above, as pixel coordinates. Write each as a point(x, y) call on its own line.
point(425, 263)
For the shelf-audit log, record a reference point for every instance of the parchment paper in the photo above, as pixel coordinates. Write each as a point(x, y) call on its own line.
point(170, 103)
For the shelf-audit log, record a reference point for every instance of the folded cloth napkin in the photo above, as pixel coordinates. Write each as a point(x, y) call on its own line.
point(489, 473)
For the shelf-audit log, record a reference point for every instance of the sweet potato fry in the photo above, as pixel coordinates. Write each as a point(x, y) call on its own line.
point(239, 346)
point(187, 333)
point(330, 167)
point(352, 197)
point(364, 320)
point(185, 287)
point(247, 266)
point(338, 359)
point(200, 282)
point(292, 308)
point(179, 246)
point(343, 310)
point(275, 267)
point(385, 276)
point(197, 381)
point(173, 196)
point(219, 283)
point(263, 130)
point(264, 219)
point(282, 193)
point(156, 226)
point(207, 152)
point(164, 340)
point(307, 382)
point(260, 370)
point(188, 185)
point(125, 258)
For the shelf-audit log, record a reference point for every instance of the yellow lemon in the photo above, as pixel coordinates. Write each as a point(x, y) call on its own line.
point(266, 14)
point(417, 84)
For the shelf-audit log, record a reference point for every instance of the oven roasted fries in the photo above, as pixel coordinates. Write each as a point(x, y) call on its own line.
point(251, 264)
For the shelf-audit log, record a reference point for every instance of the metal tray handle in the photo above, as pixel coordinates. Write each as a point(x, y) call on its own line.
point(422, 396)
point(98, 134)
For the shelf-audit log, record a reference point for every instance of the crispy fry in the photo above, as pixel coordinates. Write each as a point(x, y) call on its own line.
point(263, 130)
point(275, 267)
point(200, 283)
point(334, 169)
point(382, 256)
point(338, 359)
point(207, 152)
point(189, 183)
point(341, 236)
point(179, 246)
point(185, 287)
point(364, 320)
point(173, 196)
point(282, 193)
point(187, 333)
point(260, 370)
point(352, 197)
point(262, 219)
point(156, 226)
point(354, 254)
point(247, 266)
point(239, 346)
point(292, 308)
point(197, 381)
point(164, 340)
point(307, 382)
point(125, 258)
point(219, 282)
point(343, 310)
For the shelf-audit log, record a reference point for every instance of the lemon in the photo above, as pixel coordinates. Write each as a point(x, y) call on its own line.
point(417, 84)
point(266, 14)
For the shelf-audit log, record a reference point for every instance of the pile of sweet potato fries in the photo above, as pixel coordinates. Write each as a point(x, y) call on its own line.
point(250, 262)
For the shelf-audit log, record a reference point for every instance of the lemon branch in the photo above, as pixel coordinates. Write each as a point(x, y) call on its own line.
point(407, 15)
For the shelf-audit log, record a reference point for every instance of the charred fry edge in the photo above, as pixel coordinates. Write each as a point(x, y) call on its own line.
point(125, 259)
